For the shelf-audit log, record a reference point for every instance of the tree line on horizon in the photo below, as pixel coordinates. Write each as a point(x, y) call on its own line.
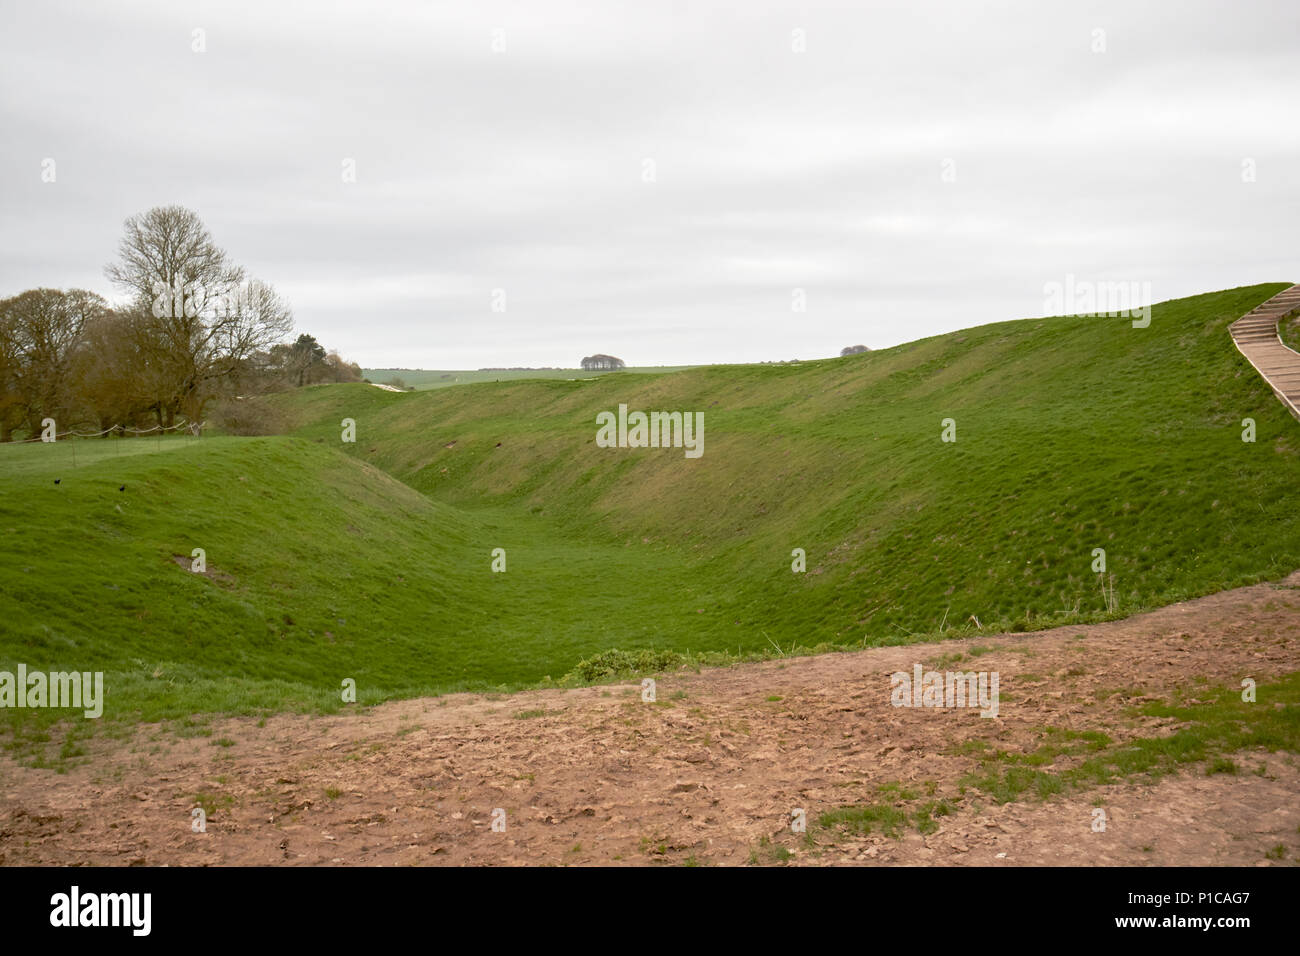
point(194, 330)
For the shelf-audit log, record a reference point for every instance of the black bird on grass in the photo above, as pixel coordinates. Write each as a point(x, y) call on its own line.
point(57, 480)
point(122, 488)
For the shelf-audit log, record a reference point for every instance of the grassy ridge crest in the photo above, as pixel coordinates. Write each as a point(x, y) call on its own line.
point(373, 560)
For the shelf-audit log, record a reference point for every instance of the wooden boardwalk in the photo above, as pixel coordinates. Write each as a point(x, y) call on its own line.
point(1255, 335)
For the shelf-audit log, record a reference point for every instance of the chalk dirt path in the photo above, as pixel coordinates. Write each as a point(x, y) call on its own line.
point(709, 774)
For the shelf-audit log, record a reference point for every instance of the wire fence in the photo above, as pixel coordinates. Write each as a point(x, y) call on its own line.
point(193, 429)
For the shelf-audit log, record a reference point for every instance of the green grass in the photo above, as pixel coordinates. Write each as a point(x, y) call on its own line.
point(883, 818)
point(1288, 329)
point(372, 560)
point(1073, 434)
point(1221, 723)
point(319, 568)
point(212, 803)
point(616, 664)
point(902, 812)
point(768, 852)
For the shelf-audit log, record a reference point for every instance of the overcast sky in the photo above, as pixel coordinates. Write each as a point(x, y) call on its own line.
point(917, 168)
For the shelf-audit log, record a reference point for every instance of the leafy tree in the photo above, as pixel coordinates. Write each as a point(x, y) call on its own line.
point(113, 380)
point(11, 401)
point(42, 330)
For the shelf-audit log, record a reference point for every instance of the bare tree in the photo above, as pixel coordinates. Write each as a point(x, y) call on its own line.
point(168, 252)
point(205, 321)
point(340, 370)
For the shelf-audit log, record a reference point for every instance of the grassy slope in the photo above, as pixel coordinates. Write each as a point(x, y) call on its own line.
point(1072, 434)
point(320, 567)
point(1288, 329)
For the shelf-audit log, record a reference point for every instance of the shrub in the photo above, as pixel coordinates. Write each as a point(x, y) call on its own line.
point(613, 664)
point(248, 416)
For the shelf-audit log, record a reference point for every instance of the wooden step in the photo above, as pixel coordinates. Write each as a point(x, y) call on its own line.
point(1256, 337)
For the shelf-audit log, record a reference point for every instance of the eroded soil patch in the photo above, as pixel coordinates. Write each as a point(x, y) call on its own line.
point(710, 773)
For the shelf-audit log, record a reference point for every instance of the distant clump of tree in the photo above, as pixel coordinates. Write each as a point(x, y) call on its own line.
point(853, 350)
point(305, 362)
point(600, 362)
point(192, 332)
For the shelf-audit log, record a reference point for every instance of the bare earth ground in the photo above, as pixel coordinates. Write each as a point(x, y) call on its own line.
point(708, 774)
